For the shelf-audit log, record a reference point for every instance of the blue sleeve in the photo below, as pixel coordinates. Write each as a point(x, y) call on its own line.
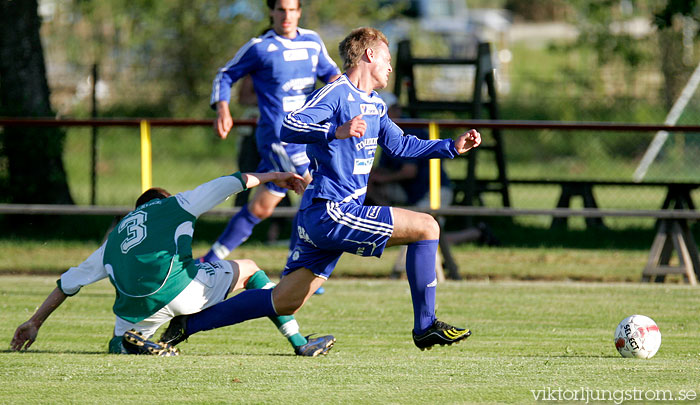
point(326, 66)
point(396, 144)
point(311, 123)
point(245, 61)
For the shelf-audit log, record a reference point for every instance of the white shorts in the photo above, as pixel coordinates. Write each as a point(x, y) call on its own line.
point(207, 289)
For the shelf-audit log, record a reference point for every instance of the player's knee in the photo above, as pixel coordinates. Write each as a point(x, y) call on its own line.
point(430, 229)
point(261, 211)
point(246, 267)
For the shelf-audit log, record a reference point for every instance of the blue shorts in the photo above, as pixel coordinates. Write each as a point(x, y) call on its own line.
point(281, 157)
point(326, 229)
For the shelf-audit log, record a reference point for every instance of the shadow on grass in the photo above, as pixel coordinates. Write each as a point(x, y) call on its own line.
point(511, 234)
point(53, 227)
point(18, 228)
point(573, 356)
point(33, 351)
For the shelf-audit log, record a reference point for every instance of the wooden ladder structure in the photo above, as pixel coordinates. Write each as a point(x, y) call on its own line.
point(466, 191)
point(484, 82)
point(672, 234)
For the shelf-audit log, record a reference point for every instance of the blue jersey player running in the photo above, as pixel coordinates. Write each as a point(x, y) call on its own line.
point(342, 124)
point(284, 64)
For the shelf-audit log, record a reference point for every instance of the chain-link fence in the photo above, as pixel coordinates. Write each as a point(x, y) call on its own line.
point(185, 156)
point(182, 158)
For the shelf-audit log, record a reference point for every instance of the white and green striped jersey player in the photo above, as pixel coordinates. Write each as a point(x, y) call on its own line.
point(148, 259)
point(148, 255)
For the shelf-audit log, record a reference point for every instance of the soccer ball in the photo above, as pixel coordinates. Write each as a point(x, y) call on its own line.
point(637, 336)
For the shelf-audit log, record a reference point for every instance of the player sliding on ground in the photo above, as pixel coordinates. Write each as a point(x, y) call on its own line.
point(148, 259)
point(342, 124)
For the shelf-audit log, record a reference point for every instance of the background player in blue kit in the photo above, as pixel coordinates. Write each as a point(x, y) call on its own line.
point(343, 123)
point(284, 63)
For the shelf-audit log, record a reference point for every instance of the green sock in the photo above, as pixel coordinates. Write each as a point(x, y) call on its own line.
point(286, 324)
point(115, 345)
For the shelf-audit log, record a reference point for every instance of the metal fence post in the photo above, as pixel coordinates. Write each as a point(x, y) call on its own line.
point(146, 163)
point(93, 155)
point(434, 133)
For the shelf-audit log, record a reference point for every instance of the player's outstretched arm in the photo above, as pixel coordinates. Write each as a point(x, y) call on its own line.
point(224, 121)
point(212, 193)
point(290, 181)
point(26, 333)
point(469, 140)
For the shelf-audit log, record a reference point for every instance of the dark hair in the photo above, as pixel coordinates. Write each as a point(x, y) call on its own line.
point(152, 194)
point(271, 4)
point(354, 45)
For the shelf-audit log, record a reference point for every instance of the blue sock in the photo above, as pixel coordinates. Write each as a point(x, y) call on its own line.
point(294, 237)
point(249, 304)
point(237, 231)
point(420, 270)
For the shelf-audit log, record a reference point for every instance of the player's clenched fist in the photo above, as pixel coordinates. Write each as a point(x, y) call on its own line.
point(356, 127)
point(468, 140)
point(224, 121)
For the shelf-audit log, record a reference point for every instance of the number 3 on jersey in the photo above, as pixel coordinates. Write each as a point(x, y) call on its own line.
point(135, 225)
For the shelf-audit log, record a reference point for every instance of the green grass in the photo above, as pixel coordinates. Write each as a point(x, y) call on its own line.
point(527, 336)
point(182, 159)
point(529, 250)
point(476, 263)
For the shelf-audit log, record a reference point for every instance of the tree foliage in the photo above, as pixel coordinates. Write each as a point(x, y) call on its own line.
point(166, 53)
point(607, 27)
point(158, 57)
point(673, 8)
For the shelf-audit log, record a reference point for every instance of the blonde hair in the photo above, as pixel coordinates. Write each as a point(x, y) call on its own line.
point(354, 45)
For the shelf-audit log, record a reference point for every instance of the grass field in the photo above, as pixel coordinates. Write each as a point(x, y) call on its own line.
point(548, 334)
point(527, 336)
point(475, 263)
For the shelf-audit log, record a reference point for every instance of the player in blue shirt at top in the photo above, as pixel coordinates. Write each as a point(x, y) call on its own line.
point(342, 124)
point(284, 63)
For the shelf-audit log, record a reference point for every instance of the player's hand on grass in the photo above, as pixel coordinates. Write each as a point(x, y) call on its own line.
point(468, 140)
point(24, 336)
point(290, 181)
point(356, 127)
point(223, 122)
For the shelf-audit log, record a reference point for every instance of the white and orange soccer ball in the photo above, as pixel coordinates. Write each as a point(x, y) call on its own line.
point(637, 336)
